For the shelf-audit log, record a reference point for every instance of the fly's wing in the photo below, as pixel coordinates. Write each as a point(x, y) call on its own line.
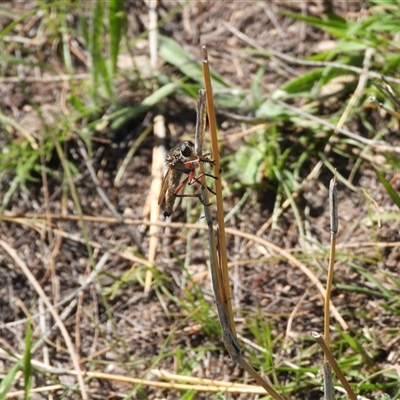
point(172, 179)
point(164, 186)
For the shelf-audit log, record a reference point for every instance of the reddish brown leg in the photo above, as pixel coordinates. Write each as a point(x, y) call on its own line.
point(194, 163)
point(185, 181)
point(193, 179)
point(181, 186)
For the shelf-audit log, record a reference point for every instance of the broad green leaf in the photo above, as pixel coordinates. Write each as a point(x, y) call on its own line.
point(160, 94)
point(270, 110)
point(247, 164)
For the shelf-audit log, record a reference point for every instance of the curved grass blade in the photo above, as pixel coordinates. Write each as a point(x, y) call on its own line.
point(8, 380)
point(121, 116)
point(172, 52)
point(392, 193)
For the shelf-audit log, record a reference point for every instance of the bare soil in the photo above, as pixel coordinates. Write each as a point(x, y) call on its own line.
point(143, 327)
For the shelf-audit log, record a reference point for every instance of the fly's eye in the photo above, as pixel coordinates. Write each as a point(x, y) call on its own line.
point(186, 150)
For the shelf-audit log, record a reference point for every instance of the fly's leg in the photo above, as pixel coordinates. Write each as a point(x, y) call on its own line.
point(194, 163)
point(171, 195)
point(182, 185)
point(196, 179)
point(192, 179)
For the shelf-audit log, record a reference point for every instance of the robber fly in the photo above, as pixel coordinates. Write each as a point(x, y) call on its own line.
point(181, 160)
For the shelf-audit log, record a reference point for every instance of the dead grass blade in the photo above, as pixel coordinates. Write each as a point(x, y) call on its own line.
point(217, 245)
point(74, 357)
point(334, 229)
point(333, 210)
point(294, 261)
point(218, 187)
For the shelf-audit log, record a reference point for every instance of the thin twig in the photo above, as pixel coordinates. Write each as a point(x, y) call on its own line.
point(224, 313)
point(29, 219)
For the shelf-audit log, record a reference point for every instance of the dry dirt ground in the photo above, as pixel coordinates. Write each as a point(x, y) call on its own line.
point(114, 325)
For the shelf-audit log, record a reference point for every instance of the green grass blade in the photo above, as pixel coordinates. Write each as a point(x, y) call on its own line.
point(333, 24)
point(27, 366)
point(8, 380)
point(99, 67)
point(172, 52)
point(18, 19)
point(256, 86)
point(7, 58)
point(117, 21)
point(307, 83)
point(190, 395)
point(392, 193)
point(121, 116)
point(355, 344)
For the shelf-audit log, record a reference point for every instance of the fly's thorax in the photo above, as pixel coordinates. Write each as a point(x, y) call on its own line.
point(173, 156)
point(183, 158)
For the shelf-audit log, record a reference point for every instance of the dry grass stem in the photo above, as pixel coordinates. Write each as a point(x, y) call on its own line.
point(223, 260)
point(218, 255)
point(333, 208)
point(155, 187)
point(331, 359)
